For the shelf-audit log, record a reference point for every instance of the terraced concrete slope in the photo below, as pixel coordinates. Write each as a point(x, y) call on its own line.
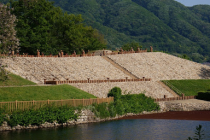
point(74, 68)
point(152, 89)
point(157, 66)
point(120, 67)
point(161, 66)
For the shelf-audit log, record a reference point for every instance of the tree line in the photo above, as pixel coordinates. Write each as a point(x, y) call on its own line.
point(42, 26)
point(166, 25)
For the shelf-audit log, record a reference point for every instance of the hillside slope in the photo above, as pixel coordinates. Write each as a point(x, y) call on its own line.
point(181, 20)
point(167, 25)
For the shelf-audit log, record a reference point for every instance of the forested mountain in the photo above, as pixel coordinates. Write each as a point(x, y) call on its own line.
point(166, 25)
point(202, 11)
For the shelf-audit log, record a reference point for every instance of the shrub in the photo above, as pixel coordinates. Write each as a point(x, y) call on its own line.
point(2, 116)
point(115, 92)
point(120, 110)
point(64, 113)
point(45, 114)
point(137, 103)
point(3, 73)
point(204, 95)
point(131, 103)
point(101, 110)
point(15, 119)
point(112, 109)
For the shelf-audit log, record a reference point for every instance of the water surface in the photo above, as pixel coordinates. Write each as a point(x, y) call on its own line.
point(144, 129)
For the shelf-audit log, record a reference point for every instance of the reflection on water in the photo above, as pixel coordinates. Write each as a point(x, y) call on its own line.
point(115, 130)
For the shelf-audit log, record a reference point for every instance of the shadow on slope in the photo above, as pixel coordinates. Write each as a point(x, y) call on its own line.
point(204, 73)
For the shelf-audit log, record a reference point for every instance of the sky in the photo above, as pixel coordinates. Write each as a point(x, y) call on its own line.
point(193, 2)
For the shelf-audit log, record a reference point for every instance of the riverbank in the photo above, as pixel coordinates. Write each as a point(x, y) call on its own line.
point(88, 117)
point(85, 116)
point(174, 115)
point(178, 110)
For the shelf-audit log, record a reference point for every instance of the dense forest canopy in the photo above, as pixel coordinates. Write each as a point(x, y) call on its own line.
point(166, 25)
point(41, 26)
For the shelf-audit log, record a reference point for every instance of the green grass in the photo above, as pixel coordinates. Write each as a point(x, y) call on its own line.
point(42, 93)
point(15, 80)
point(190, 87)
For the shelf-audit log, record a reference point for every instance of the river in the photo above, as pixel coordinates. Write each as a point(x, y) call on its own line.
point(129, 129)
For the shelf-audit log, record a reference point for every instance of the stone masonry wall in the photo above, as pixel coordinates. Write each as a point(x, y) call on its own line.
point(161, 66)
point(154, 65)
point(151, 88)
point(73, 68)
point(184, 106)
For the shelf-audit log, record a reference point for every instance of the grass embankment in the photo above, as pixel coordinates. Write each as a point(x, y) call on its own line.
point(20, 92)
point(42, 93)
point(15, 80)
point(133, 103)
point(189, 87)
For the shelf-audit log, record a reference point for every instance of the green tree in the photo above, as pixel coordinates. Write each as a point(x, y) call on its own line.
point(115, 92)
point(73, 35)
point(46, 28)
point(33, 27)
point(3, 73)
point(131, 45)
point(184, 56)
point(199, 134)
point(8, 39)
point(164, 24)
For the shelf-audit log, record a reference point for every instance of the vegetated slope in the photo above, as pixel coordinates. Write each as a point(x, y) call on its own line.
point(42, 93)
point(128, 18)
point(15, 80)
point(73, 68)
point(183, 21)
point(161, 66)
point(167, 25)
point(190, 87)
point(202, 11)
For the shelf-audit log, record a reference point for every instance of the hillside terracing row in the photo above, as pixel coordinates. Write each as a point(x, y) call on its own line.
point(73, 68)
point(161, 66)
point(151, 89)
